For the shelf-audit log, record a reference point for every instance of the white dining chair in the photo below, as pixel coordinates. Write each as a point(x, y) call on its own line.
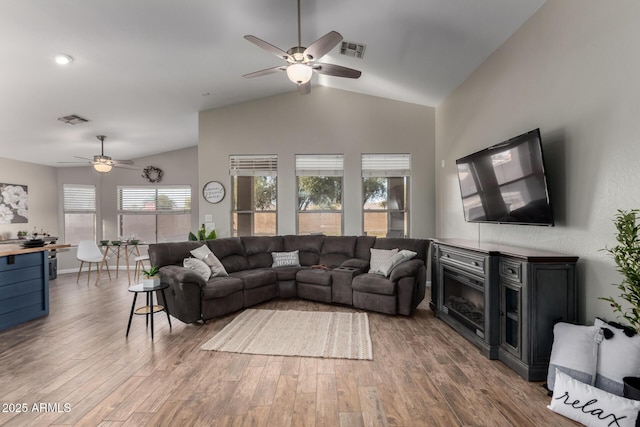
point(140, 259)
point(88, 251)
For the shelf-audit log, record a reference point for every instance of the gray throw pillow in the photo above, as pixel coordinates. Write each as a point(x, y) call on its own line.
point(285, 259)
point(198, 266)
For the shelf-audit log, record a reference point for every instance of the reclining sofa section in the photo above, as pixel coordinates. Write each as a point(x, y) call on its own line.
point(252, 279)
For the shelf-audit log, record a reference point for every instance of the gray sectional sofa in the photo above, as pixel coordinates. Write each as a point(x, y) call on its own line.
point(333, 270)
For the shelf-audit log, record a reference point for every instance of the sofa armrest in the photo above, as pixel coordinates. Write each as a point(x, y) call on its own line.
point(174, 274)
point(184, 293)
point(406, 269)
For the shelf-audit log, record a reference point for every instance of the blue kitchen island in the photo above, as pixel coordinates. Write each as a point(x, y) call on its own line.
point(24, 283)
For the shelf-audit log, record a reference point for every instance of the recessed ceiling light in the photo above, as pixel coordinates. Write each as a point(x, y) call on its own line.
point(62, 59)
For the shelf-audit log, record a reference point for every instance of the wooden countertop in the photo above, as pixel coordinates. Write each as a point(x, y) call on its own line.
point(17, 249)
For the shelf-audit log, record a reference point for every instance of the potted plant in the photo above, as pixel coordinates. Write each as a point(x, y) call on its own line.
point(151, 277)
point(626, 255)
point(202, 234)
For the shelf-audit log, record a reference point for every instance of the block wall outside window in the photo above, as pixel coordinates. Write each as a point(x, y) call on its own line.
point(79, 213)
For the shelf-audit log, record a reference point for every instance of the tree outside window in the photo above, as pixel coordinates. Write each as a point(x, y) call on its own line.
point(319, 183)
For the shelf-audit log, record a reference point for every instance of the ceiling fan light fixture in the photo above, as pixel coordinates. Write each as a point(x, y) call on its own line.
point(299, 73)
point(62, 59)
point(102, 167)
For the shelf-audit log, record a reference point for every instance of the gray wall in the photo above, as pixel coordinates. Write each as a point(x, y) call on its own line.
point(572, 70)
point(325, 121)
point(43, 197)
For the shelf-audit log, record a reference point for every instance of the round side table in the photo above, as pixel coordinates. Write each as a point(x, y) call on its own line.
point(149, 309)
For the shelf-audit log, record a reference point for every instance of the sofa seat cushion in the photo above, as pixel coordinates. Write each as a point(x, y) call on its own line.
point(287, 273)
point(314, 276)
point(220, 287)
point(256, 278)
point(371, 283)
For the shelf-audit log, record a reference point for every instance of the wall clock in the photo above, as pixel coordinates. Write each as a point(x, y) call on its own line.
point(213, 192)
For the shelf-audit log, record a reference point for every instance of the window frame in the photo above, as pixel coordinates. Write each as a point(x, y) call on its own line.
point(319, 165)
point(388, 166)
point(251, 165)
point(156, 211)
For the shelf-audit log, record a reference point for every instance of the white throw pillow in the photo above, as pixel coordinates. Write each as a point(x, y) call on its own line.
point(217, 269)
point(201, 252)
point(285, 259)
point(198, 266)
point(378, 257)
point(391, 263)
point(618, 357)
point(574, 352)
point(591, 406)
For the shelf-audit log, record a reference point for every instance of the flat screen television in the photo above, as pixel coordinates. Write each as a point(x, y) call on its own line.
point(506, 183)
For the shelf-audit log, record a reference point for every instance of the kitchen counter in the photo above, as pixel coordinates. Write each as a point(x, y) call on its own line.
point(24, 283)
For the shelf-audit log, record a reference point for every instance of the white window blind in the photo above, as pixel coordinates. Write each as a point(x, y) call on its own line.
point(386, 165)
point(253, 165)
point(319, 165)
point(79, 198)
point(169, 199)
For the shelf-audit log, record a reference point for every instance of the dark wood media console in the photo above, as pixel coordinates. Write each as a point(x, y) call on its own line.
point(504, 299)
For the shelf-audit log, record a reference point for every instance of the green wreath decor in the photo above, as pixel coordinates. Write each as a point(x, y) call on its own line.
point(152, 174)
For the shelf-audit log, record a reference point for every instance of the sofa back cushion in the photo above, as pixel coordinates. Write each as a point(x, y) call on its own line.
point(337, 249)
point(363, 247)
point(308, 247)
point(419, 246)
point(230, 251)
point(258, 249)
point(171, 253)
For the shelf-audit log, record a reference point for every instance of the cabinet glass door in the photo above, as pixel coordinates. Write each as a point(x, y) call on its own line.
point(511, 325)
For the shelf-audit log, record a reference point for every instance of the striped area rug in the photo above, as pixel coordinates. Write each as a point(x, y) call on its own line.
point(296, 333)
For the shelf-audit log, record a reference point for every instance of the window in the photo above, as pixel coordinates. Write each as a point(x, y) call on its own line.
point(155, 214)
point(254, 201)
point(319, 183)
point(79, 213)
point(385, 194)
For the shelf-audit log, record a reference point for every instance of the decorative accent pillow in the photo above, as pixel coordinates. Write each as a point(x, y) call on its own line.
point(591, 406)
point(378, 257)
point(618, 357)
point(203, 253)
point(391, 263)
point(574, 352)
point(198, 266)
point(217, 269)
point(285, 259)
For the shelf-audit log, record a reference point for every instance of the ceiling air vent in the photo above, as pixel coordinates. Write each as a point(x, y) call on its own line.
point(355, 50)
point(73, 119)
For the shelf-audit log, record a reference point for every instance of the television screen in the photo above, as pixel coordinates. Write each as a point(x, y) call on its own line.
point(506, 183)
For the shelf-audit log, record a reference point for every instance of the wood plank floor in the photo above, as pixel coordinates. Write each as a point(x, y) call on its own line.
point(78, 368)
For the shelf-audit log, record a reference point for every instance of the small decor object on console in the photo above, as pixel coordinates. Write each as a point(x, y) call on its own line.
point(152, 174)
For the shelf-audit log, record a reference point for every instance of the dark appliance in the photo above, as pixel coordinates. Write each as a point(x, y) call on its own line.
point(506, 183)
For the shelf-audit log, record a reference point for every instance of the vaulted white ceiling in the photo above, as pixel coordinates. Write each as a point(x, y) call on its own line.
point(143, 69)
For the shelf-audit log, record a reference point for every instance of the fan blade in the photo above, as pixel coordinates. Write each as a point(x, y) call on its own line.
point(125, 166)
point(304, 88)
point(83, 158)
point(336, 70)
point(323, 45)
point(269, 47)
point(75, 163)
point(265, 71)
point(121, 162)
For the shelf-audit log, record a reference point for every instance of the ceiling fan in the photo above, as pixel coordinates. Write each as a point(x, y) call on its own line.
point(302, 62)
point(102, 163)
